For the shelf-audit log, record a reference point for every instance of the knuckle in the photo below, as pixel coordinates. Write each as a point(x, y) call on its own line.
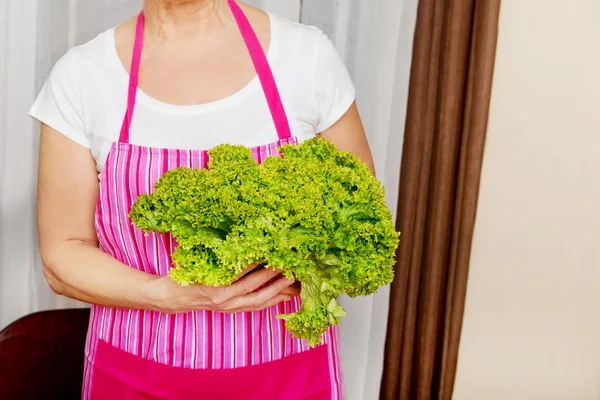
point(226, 309)
point(246, 288)
point(270, 303)
point(217, 299)
point(257, 302)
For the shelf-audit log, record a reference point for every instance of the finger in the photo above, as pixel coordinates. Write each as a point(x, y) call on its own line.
point(280, 298)
point(247, 270)
point(258, 298)
point(250, 283)
point(293, 290)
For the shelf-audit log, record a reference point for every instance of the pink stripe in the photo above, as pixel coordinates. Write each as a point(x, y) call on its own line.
point(248, 339)
point(159, 349)
point(110, 209)
point(195, 345)
point(277, 333)
point(136, 320)
point(132, 183)
point(127, 337)
point(118, 333)
point(217, 335)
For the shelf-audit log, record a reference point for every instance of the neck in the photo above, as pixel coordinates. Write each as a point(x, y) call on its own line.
point(182, 18)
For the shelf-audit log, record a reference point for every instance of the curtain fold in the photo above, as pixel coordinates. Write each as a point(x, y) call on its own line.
point(449, 95)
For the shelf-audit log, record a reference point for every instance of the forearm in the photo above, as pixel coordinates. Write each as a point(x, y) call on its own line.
point(82, 271)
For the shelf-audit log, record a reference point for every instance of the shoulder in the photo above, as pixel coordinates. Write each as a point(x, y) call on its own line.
point(304, 48)
point(72, 84)
point(297, 36)
point(296, 28)
point(82, 70)
point(85, 64)
point(316, 69)
point(91, 55)
point(78, 65)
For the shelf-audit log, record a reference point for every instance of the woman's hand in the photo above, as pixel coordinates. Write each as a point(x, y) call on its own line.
point(254, 291)
point(293, 290)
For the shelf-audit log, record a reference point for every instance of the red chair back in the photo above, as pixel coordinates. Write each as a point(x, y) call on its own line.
point(42, 356)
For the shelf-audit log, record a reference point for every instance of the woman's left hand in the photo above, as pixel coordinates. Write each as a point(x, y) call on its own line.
point(293, 290)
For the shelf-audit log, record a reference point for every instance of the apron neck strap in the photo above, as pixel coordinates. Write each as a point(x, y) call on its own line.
point(259, 59)
point(133, 79)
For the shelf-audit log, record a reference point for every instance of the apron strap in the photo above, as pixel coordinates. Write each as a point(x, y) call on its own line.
point(133, 79)
point(259, 59)
point(263, 70)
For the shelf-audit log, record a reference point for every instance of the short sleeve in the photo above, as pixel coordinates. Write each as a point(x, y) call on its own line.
point(59, 103)
point(334, 90)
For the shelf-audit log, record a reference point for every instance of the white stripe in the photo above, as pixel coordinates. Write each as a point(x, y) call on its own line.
point(204, 339)
point(232, 327)
point(194, 358)
point(269, 334)
point(244, 341)
point(143, 333)
point(128, 337)
point(102, 322)
point(166, 339)
point(214, 340)
point(156, 335)
point(251, 327)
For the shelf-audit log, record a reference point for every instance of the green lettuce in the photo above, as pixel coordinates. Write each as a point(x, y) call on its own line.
point(315, 213)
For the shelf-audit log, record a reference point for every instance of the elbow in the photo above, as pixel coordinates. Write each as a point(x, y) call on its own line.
point(54, 283)
point(49, 263)
point(56, 257)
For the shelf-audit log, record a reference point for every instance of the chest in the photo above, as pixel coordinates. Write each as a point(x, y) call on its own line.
point(242, 118)
point(195, 73)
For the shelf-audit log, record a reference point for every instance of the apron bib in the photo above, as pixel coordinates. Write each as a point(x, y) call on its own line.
point(141, 354)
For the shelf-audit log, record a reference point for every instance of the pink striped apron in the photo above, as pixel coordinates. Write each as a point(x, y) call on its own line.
point(141, 354)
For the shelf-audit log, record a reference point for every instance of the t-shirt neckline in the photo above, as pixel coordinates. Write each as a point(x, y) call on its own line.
point(146, 99)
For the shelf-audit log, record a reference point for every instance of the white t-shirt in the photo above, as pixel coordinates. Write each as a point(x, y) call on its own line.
point(85, 98)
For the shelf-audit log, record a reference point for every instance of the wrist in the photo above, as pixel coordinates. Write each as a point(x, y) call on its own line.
point(154, 295)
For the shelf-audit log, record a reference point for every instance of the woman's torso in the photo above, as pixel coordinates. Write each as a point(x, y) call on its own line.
point(293, 54)
point(86, 98)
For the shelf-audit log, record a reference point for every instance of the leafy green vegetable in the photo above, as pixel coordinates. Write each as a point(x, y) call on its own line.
point(316, 213)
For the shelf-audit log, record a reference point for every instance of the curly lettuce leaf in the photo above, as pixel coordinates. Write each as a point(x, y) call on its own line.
point(316, 213)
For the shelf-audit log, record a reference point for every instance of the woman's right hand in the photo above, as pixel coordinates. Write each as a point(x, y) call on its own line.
point(253, 291)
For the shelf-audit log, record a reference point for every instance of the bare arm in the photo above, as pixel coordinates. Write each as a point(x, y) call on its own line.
point(348, 134)
point(75, 267)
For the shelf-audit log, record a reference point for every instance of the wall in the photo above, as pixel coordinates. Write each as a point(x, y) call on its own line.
point(532, 323)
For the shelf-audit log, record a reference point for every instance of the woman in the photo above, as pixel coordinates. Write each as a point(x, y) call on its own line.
point(202, 72)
